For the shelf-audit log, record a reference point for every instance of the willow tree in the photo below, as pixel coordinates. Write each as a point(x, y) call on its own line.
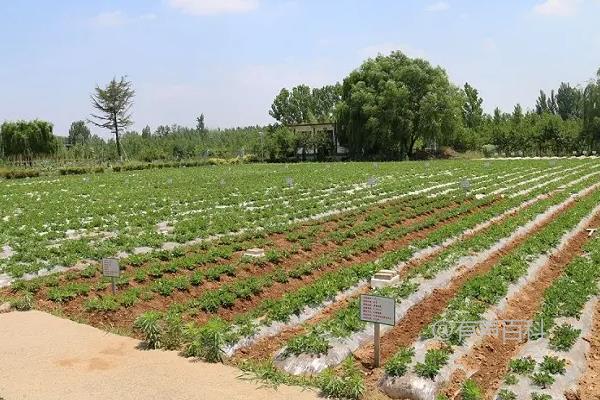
point(113, 104)
point(391, 102)
point(591, 112)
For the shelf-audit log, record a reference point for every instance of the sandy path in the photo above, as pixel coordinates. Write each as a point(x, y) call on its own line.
point(46, 357)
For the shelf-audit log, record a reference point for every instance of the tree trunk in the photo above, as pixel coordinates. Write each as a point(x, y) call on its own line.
point(118, 139)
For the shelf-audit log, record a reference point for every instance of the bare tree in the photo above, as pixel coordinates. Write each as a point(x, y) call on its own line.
point(114, 105)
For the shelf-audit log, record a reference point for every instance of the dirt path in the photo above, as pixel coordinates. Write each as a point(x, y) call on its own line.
point(589, 385)
point(46, 357)
point(490, 358)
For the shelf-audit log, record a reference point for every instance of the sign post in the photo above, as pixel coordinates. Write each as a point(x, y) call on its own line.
point(110, 268)
point(378, 310)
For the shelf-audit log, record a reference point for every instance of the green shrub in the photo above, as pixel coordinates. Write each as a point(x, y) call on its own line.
point(23, 303)
point(542, 379)
point(522, 366)
point(102, 304)
point(349, 384)
point(209, 341)
point(435, 359)
point(564, 337)
point(553, 365)
point(149, 324)
point(540, 396)
point(398, 364)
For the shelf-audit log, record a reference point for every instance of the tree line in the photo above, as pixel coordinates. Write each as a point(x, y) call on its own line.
point(393, 105)
point(390, 108)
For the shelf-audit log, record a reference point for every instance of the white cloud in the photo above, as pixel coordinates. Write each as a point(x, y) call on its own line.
point(212, 7)
point(561, 8)
point(117, 18)
point(387, 47)
point(438, 6)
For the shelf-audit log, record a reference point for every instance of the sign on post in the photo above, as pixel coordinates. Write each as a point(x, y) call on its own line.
point(110, 268)
point(378, 310)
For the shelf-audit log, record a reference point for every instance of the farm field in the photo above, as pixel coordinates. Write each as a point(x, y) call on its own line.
point(501, 240)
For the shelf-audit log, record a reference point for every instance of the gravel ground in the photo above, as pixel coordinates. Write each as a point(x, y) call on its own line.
point(46, 357)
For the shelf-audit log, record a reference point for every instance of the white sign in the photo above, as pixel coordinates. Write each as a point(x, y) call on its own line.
point(377, 309)
point(110, 267)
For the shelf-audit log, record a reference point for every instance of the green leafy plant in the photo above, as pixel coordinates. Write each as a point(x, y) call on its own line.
point(522, 366)
point(564, 337)
point(209, 341)
point(540, 396)
point(553, 365)
point(511, 379)
point(311, 343)
point(398, 364)
point(149, 324)
point(542, 379)
point(349, 384)
point(505, 394)
point(471, 391)
point(435, 359)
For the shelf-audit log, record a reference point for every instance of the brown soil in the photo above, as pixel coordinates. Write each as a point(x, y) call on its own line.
point(124, 317)
point(589, 385)
point(408, 330)
point(266, 347)
point(489, 359)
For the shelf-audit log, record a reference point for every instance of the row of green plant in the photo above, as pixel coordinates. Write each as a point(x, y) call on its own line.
point(197, 202)
point(18, 173)
point(245, 288)
point(565, 298)
point(482, 292)
point(332, 283)
point(346, 321)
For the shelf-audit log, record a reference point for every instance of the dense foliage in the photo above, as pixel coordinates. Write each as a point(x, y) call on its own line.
point(27, 139)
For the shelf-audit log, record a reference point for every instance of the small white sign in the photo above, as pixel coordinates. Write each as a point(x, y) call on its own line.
point(377, 309)
point(110, 267)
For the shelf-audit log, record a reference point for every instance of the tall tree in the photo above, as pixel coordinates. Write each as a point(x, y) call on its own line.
point(293, 107)
point(200, 127)
point(591, 112)
point(472, 109)
point(568, 101)
point(325, 100)
point(552, 106)
point(26, 139)
point(79, 133)
point(391, 102)
point(146, 132)
point(113, 104)
point(541, 105)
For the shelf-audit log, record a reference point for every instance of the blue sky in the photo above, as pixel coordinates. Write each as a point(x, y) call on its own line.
point(229, 58)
